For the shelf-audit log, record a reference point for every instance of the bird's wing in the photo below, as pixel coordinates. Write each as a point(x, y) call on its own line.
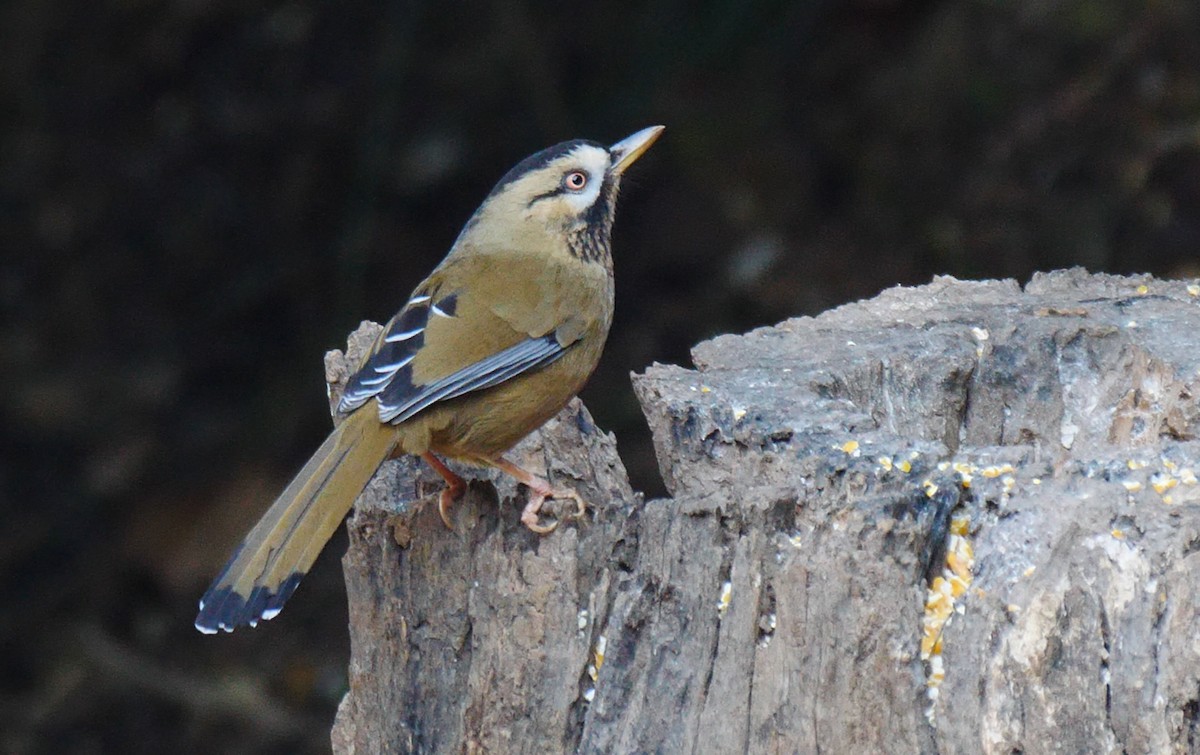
point(399, 401)
point(394, 350)
point(472, 325)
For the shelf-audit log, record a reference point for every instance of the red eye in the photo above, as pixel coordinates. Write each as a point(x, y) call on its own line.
point(575, 180)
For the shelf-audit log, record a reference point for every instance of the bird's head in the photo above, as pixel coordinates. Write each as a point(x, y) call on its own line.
point(568, 191)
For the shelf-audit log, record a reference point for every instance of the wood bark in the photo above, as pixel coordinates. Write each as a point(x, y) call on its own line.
point(776, 601)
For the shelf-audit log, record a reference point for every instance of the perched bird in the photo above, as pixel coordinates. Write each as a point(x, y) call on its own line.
point(499, 337)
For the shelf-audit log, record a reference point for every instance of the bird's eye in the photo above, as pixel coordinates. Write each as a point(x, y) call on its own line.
point(575, 180)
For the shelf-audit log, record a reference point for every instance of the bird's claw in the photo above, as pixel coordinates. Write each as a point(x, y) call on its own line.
point(530, 515)
point(445, 501)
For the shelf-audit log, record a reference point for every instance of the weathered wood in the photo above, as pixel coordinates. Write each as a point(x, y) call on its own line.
point(775, 602)
point(478, 639)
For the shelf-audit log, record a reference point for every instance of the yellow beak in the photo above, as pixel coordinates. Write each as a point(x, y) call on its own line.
point(629, 149)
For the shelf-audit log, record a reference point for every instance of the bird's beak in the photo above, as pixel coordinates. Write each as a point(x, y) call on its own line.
point(629, 149)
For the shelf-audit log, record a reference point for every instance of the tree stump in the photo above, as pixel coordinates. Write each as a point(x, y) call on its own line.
point(962, 517)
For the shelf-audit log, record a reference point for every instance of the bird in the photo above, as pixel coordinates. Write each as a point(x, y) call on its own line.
point(493, 343)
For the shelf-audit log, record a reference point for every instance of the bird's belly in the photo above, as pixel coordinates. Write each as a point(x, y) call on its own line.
point(486, 423)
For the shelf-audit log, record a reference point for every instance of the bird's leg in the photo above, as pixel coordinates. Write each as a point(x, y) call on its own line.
point(539, 490)
point(454, 487)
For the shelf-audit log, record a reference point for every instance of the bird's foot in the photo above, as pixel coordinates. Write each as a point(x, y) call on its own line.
point(530, 514)
point(446, 499)
point(455, 486)
point(539, 490)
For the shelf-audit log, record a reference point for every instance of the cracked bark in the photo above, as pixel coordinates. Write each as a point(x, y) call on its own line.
point(1078, 632)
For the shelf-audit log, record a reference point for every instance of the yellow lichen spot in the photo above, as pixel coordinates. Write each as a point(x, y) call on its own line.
point(965, 472)
point(992, 472)
point(1135, 464)
point(598, 653)
point(1187, 476)
point(947, 591)
point(1169, 465)
point(1162, 483)
point(935, 647)
point(959, 585)
point(936, 676)
point(927, 644)
point(931, 489)
point(960, 566)
point(1169, 500)
point(904, 466)
point(705, 389)
point(725, 599)
point(945, 587)
point(1193, 289)
point(1036, 480)
point(1012, 608)
point(1029, 572)
point(850, 446)
point(885, 462)
point(1143, 289)
point(942, 597)
point(738, 414)
point(795, 541)
point(1008, 483)
point(1132, 486)
point(943, 466)
point(941, 604)
point(1118, 534)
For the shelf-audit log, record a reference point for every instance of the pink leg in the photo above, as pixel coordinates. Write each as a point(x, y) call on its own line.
point(454, 487)
point(539, 491)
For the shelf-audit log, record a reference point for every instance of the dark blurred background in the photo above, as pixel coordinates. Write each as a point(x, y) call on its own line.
point(197, 199)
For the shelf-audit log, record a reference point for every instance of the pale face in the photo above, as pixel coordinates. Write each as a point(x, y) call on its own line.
point(561, 193)
point(558, 193)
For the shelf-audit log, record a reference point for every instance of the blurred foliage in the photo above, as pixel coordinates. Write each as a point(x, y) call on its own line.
point(198, 198)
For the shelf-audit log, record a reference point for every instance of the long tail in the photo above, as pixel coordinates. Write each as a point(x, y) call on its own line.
point(266, 568)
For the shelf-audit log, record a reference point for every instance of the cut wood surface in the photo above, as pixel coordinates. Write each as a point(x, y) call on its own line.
point(1027, 452)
